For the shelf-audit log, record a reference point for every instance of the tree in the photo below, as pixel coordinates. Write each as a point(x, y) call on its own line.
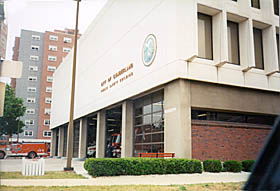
point(13, 110)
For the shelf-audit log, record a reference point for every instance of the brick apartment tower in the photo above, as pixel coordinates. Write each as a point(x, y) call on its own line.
point(57, 45)
point(15, 57)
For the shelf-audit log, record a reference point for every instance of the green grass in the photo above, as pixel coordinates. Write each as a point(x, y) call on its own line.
point(48, 175)
point(192, 187)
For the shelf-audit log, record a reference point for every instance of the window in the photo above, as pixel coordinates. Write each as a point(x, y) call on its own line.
point(28, 133)
point(30, 111)
point(232, 117)
point(67, 40)
point(51, 58)
point(34, 58)
point(29, 122)
point(51, 68)
point(49, 78)
point(47, 111)
point(47, 133)
point(49, 89)
point(149, 124)
point(258, 47)
point(233, 42)
point(33, 68)
point(46, 122)
point(32, 78)
point(52, 48)
point(34, 47)
point(31, 100)
point(277, 41)
point(276, 7)
point(31, 89)
point(48, 100)
point(255, 4)
point(66, 49)
point(53, 37)
point(35, 37)
point(205, 46)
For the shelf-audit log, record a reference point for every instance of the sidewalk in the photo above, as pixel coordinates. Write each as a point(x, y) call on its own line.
point(179, 179)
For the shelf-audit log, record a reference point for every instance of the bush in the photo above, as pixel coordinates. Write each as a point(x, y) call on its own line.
point(247, 165)
point(233, 166)
point(140, 166)
point(212, 166)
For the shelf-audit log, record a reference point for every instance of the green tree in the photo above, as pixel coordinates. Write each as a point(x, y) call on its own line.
point(13, 110)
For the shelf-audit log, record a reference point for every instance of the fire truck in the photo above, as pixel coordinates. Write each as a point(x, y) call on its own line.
point(22, 149)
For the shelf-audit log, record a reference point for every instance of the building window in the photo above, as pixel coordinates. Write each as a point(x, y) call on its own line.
point(28, 133)
point(48, 100)
point(49, 79)
point(47, 133)
point(47, 111)
point(255, 4)
point(29, 122)
point(258, 47)
point(149, 124)
point(34, 47)
point(51, 68)
point(30, 111)
point(52, 48)
point(205, 45)
point(31, 89)
point(33, 68)
point(67, 40)
point(31, 100)
point(232, 117)
point(32, 78)
point(233, 42)
point(51, 58)
point(276, 7)
point(35, 37)
point(53, 37)
point(277, 41)
point(46, 122)
point(49, 89)
point(66, 49)
point(34, 58)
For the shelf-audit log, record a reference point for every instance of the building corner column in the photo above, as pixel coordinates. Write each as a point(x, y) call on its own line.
point(60, 141)
point(83, 138)
point(53, 142)
point(127, 129)
point(101, 133)
point(177, 119)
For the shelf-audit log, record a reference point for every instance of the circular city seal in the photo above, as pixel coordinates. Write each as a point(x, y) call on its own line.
point(149, 50)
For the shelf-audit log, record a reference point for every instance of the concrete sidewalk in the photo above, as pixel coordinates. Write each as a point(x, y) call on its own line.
point(179, 179)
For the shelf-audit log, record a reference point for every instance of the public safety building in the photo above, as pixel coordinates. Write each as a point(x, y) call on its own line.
point(198, 78)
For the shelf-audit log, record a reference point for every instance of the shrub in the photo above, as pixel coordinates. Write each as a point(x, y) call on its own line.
point(233, 166)
point(140, 166)
point(212, 165)
point(247, 165)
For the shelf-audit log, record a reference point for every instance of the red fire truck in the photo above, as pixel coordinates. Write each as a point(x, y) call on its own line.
point(22, 149)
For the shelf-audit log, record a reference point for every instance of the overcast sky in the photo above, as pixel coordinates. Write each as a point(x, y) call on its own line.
point(42, 15)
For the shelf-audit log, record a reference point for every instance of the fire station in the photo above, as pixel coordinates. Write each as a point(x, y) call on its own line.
point(198, 78)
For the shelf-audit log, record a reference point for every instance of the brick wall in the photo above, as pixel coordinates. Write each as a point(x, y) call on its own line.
point(227, 141)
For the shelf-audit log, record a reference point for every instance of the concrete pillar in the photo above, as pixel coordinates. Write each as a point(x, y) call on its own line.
point(60, 141)
point(177, 119)
point(100, 134)
point(127, 129)
point(53, 141)
point(83, 138)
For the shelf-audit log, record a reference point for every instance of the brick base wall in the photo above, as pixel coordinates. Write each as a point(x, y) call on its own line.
point(227, 142)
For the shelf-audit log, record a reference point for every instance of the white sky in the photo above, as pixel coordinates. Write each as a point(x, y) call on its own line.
point(47, 15)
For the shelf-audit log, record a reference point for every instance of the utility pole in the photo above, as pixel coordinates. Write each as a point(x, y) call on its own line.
point(71, 124)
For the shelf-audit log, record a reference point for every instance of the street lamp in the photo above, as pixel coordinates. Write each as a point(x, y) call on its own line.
point(70, 126)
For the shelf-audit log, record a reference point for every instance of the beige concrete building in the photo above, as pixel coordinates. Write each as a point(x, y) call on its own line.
point(198, 78)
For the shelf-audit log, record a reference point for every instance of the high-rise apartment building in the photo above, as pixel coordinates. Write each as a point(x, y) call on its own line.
point(3, 32)
point(41, 54)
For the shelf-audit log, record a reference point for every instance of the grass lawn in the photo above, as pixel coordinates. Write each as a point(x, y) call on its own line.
point(48, 175)
point(192, 187)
